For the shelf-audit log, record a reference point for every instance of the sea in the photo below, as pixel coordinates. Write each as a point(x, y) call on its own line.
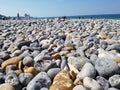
point(100, 16)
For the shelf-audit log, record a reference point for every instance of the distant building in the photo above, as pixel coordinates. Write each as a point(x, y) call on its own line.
point(18, 17)
point(27, 16)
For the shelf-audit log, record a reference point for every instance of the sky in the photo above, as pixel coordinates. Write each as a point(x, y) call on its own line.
point(48, 8)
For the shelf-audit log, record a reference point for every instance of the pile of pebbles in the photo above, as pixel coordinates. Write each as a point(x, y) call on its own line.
point(60, 54)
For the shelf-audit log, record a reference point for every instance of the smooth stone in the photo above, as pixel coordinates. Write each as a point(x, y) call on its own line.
point(93, 58)
point(79, 87)
point(52, 72)
point(91, 84)
point(39, 81)
point(87, 71)
point(106, 67)
point(103, 82)
point(44, 44)
point(35, 53)
point(12, 79)
point(77, 62)
point(6, 86)
point(11, 61)
point(31, 70)
point(115, 81)
point(25, 78)
point(28, 61)
point(62, 81)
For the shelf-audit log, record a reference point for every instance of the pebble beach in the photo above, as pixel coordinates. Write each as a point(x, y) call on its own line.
point(60, 54)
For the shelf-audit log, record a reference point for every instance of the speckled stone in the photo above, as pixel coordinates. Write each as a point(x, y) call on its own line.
point(39, 81)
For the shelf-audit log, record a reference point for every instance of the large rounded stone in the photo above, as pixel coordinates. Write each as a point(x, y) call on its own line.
point(106, 67)
point(6, 86)
point(87, 71)
point(25, 78)
point(115, 81)
point(39, 81)
point(91, 84)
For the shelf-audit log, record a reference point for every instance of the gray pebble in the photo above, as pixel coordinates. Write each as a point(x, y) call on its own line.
point(87, 71)
point(25, 78)
point(52, 72)
point(39, 81)
point(115, 81)
point(28, 61)
point(106, 67)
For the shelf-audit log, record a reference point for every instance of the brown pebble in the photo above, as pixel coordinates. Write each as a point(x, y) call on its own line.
point(62, 81)
point(12, 48)
point(11, 61)
point(117, 60)
point(56, 56)
point(31, 70)
point(52, 45)
point(69, 48)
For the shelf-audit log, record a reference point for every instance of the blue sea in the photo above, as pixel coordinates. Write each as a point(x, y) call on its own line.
point(102, 16)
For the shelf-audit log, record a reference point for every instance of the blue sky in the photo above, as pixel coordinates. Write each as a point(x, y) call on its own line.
point(45, 8)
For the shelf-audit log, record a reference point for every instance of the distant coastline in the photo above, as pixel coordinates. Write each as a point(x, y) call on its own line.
point(97, 16)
